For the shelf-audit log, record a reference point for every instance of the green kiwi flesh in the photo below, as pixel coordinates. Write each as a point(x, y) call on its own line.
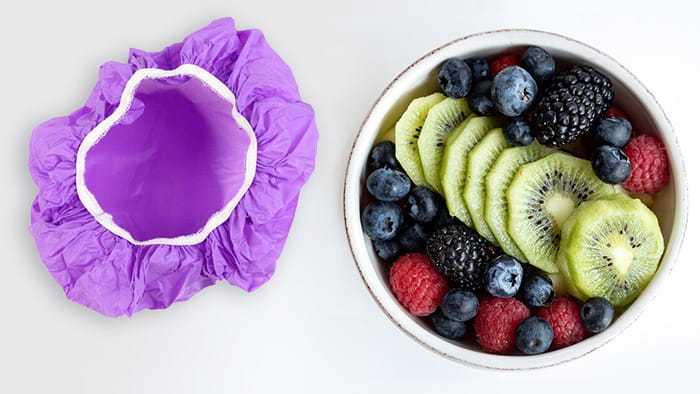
point(441, 119)
point(407, 131)
point(454, 164)
point(542, 196)
point(480, 161)
point(498, 179)
point(610, 248)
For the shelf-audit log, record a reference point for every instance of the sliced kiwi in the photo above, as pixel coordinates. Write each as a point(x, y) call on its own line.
point(460, 142)
point(408, 130)
point(497, 181)
point(441, 119)
point(542, 196)
point(480, 161)
point(610, 248)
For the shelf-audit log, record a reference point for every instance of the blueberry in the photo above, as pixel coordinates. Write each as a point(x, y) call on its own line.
point(533, 335)
point(537, 290)
point(528, 271)
point(503, 276)
point(479, 99)
point(388, 185)
point(513, 91)
point(612, 131)
point(517, 131)
point(479, 67)
point(384, 155)
point(611, 164)
point(446, 327)
point(388, 250)
point(539, 63)
point(381, 220)
point(455, 78)
point(442, 217)
point(412, 237)
point(596, 314)
point(422, 204)
point(459, 305)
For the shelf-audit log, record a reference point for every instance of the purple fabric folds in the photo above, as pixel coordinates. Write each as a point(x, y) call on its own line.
point(104, 272)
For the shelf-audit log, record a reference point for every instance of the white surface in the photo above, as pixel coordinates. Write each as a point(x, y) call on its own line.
point(314, 326)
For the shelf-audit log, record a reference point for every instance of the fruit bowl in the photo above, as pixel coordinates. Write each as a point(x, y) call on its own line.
point(420, 79)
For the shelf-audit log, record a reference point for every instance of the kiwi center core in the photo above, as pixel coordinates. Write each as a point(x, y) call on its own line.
point(560, 207)
point(622, 256)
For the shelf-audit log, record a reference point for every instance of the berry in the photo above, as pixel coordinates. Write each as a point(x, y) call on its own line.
point(416, 284)
point(518, 132)
point(596, 314)
point(447, 327)
point(455, 78)
point(442, 217)
point(388, 250)
point(533, 335)
point(479, 99)
point(460, 255)
point(459, 305)
point(611, 164)
point(384, 155)
point(571, 105)
point(412, 237)
point(387, 184)
point(649, 161)
point(381, 220)
point(537, 290)
point(615, 112)
point(612, 131)
point(502, 62)
point(496, 321)
point(479, 67)
point(564, 315)
point(539, 63)
point(422, 204)
point(503, 276)
point(513, 91)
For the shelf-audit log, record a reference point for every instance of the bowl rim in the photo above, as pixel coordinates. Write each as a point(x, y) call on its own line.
point(555, 357)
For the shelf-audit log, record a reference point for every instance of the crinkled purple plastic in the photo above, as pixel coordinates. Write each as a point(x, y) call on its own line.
point(104, 272)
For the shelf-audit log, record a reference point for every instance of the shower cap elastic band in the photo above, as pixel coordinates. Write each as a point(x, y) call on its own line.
point(117, 276)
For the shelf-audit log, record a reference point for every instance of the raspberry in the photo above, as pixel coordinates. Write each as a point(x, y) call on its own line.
point(416, 284)
point(564, 315)
point(496, 322)
point(502, 62)
point(615, 112)
point(649, 163)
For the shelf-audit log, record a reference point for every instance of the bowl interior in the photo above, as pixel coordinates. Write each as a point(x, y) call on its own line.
point(419, 79)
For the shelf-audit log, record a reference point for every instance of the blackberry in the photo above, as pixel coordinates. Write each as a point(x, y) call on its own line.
point(460, 255)
point(575, 100)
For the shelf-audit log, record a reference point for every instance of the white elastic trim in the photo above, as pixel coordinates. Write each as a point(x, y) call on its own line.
point(104, 218)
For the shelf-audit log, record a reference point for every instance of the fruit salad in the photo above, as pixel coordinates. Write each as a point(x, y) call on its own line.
point(508, 205)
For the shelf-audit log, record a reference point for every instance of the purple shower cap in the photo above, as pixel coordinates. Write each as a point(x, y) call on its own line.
point(183, 168)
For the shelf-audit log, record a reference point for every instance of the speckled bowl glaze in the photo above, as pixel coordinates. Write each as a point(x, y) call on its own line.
point(420, 78)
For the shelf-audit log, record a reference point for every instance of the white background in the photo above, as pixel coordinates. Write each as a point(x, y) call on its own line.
point(314, 326)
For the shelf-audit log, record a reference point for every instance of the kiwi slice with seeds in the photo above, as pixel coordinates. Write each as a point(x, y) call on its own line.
point(406, 133)
point(542, 196)
point(610, 248)
point(441, 119)
point(460, 142)
point(497, 181)
point(480, 161)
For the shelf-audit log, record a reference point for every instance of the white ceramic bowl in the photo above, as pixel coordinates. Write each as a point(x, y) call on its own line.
point(420, 78)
